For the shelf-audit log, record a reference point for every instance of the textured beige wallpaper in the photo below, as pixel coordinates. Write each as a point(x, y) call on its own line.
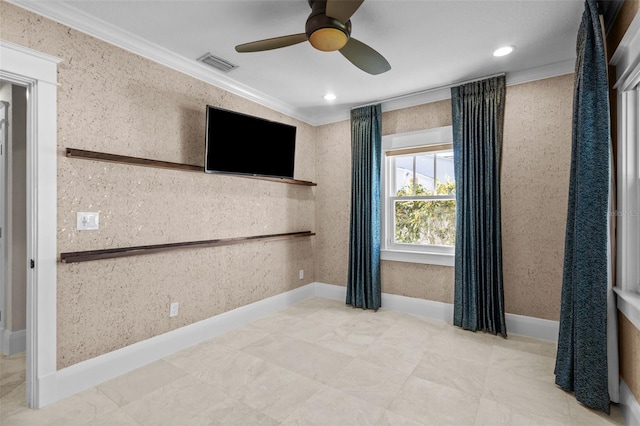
point(535, 183)
point(535, 175)
point(113, 101)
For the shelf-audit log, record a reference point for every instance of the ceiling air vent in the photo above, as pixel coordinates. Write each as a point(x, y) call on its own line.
point(218, 63)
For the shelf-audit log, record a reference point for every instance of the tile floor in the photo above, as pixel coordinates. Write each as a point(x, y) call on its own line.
point(321, 362)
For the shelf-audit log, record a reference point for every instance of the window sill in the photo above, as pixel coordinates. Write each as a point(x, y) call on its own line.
point(629, 305)
point(442, 259)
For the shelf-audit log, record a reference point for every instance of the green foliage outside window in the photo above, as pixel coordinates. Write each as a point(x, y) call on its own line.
point(426, 221)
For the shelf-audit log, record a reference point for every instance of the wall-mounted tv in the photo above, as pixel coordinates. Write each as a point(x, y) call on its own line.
point(243, 144)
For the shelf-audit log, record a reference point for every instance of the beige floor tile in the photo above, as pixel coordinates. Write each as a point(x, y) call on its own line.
point(325, 362)
point(369, 323)
point(526, 394)
point(491, 413)
point(114, 418)
point(305, 358)
point(308, 329)
point(582, 415)
point(240, 337)
point(370, 382)
point(232, 412)
point(454, 342)
point(334, 317)
point(434, 404)
point(274, 323)
point(529, 344)
point(389, 418)
point(277, 392)
point(333, 407)
point(346, 341)
point(177, 403)
point(230, 369)
point(78, 409)
point(14, 401)
point(410, 333)
point(464, 375)
point(402, 358)
point(12, 372)
point(135, 385)
point(521, 363)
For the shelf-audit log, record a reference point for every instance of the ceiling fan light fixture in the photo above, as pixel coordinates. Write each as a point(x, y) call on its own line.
point(328, 39)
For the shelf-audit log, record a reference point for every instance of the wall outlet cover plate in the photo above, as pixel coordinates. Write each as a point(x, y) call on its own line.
point(88, 221)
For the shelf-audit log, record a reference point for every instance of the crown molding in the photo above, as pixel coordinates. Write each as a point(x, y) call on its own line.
point(444, 92)
point(80, 21)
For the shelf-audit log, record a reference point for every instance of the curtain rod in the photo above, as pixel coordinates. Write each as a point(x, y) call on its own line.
point(424, 92)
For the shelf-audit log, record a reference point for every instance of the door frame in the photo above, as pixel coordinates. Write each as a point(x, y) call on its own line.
point(38, 72)
point(3, 221)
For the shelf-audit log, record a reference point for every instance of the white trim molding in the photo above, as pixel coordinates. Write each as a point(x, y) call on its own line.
point(95, 371)
point(13, 342)
point(517, 324)
point(629, 405)
point(629, 304)
point(66, 14)
point(626, 59)
point(92, 372)
point(38, 72)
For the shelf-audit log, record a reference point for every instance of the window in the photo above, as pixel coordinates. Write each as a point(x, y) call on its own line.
point(627, 206)
point(419, 207)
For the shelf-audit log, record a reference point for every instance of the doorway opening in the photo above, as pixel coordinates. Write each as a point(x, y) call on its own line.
point(13, 237)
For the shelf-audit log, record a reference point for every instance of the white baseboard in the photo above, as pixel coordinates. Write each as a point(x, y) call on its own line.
point(629, 405)
point(13, 342)
point(95, 371)
point(92, 372)
point(516, 324)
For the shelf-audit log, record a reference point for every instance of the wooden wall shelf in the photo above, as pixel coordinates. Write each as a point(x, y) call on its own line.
point(87, 256)
point(123, 159)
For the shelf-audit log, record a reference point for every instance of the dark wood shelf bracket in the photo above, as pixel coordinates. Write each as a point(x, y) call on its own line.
point(123, 159)
point(87, 256)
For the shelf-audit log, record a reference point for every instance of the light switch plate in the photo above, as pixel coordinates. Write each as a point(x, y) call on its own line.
point(88, 221)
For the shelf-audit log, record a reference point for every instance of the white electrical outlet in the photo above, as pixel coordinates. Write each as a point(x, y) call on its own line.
point(173, 309)
point(87, 221)
point(301, 274)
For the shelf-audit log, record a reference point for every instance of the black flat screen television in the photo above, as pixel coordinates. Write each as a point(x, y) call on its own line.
point(243, 144)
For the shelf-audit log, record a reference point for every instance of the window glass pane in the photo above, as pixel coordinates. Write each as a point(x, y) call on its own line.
point(424, 174)
point(445, 174)
point(403, 175)
point(425, 222)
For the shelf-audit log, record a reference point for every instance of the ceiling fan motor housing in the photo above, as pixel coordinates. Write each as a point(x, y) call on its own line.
point(324, 32)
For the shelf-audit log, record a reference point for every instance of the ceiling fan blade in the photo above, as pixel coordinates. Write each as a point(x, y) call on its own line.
point(271, 43)
point(342, 10)
point(364, 57)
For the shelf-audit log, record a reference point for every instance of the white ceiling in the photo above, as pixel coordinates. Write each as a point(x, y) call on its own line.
point(429, 44)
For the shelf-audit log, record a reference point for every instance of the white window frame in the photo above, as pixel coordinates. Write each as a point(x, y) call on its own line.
point(626, 59)
point(432, 254)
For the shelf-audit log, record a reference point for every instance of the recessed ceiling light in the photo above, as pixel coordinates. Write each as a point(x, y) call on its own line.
point(329, 97)
point(502, 51)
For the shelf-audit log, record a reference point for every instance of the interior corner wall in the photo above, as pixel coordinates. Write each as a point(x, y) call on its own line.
point(113, 101)
point(535, 178)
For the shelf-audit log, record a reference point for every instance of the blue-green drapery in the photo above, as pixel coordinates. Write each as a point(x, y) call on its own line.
point(581, 362)
point(478, 121)
point(363, 285)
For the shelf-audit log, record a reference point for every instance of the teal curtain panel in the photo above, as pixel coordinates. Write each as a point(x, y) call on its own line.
point(478, 122)
point(363, 284)
point(581, 362)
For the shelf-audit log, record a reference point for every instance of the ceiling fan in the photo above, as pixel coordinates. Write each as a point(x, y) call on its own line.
point(328, 29)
